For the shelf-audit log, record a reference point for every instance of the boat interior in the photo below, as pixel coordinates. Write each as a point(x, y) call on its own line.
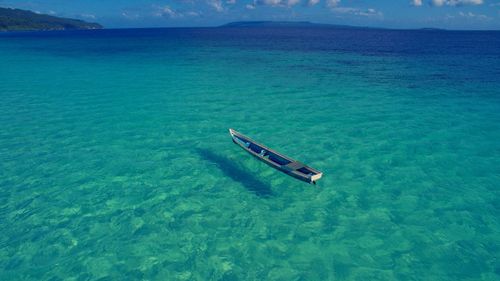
point(279, 160)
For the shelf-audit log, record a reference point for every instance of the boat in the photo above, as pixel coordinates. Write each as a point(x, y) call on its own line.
point(275, 159)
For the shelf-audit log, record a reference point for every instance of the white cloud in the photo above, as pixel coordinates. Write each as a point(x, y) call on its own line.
point(193, 14)
point(277, 3)
point(344, 10)
point(165, 11)
point(440, 3)
point(470, 15)
point(312, 2)
point(231, 2)
point(88, 16)
point(416, 3)
point(130, 16)
point(250, 6)
point(217, 5)
point(271, 2)
point(357, 12)
point(332, 3)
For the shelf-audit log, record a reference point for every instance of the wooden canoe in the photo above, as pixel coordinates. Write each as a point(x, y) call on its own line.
point(276, 160)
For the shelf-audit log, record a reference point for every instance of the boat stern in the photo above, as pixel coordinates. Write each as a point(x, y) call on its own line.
point(316, 177)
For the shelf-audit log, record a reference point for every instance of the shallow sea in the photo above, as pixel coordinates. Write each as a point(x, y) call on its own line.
point(116, 162)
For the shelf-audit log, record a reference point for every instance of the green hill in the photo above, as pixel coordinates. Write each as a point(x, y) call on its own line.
point(21, 20)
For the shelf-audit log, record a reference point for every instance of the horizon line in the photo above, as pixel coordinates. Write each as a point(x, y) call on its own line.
point(325, 25)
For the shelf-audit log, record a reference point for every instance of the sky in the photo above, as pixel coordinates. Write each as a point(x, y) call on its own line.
point(450, 14)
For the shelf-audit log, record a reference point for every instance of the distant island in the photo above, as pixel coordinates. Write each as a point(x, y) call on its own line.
point(307, 24)
point(22, 20)
point(286, 24)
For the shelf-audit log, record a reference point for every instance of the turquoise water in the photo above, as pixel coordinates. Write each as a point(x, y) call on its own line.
point(116, 162)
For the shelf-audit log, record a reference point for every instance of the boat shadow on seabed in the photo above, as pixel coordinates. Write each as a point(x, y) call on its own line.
point(233, 171)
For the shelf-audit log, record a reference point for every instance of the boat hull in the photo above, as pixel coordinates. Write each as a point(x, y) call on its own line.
point(276, 160)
